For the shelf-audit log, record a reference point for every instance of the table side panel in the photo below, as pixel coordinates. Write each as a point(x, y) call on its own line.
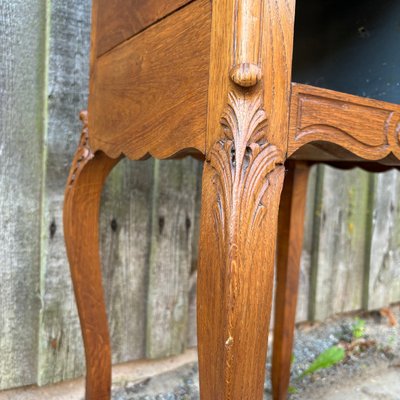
point(149, 95)
point(367, 128)
point(118, 20)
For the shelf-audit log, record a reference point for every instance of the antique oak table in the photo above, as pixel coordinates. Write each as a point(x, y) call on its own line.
point(212, 79)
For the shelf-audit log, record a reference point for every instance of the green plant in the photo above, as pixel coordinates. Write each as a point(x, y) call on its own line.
point(326, 359)
point(358, 328)
point(391, 342)
point(292, 390)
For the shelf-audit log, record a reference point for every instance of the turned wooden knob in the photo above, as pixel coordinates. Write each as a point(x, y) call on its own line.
point(246, 74)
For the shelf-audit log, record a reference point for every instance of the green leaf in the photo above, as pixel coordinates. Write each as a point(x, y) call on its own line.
point(326, 359)
point(358, 328)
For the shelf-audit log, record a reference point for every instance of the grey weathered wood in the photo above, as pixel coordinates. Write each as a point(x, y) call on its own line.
point(384, 268)
point(60, 344)
point(125, 215)
point(192, 326)
point(125, 245)
point(125, 218)
point(170, 257)
point(305, 267)
point(22, 67)
point(338, 260)
point(315, 232)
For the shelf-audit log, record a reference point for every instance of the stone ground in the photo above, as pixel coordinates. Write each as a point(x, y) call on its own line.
point(372, 373)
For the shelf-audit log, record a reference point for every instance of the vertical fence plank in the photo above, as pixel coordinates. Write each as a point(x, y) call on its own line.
point(192, 319)
point(125, 243)
point(125, 215)
point(395, 243)
point(60, 344)
point(305, 267)
point(22, 62)
point(384, 272)
point(315, 232)
point(170, 258)
point(338, 262)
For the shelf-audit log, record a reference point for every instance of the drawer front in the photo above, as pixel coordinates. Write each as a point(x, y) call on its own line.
point(149, 95)
point(118, 20)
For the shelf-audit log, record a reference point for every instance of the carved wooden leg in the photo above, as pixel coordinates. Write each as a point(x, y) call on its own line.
point(290, 242)
point(246, 144)
point(241, 191)
point(81, 213)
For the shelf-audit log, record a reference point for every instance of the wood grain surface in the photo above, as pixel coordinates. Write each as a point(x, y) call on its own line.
point(382, 280)
point(367, 128)
point(290, 244)
point(149, 95)
point(170, 258)
point(248, 105)
point(339, 234)
point(81, 229)
point(118, 20)
point(60, 348)
point(22, 86)
point(40, 334)
point(125, 223)
point(125, 243)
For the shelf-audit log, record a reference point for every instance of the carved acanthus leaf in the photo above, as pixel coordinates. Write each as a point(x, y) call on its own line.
point(242, 161)
point(245, 164)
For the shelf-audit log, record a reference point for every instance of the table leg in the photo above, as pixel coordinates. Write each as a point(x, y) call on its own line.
point(240, 201)
point(81, 214)
point(290, 243)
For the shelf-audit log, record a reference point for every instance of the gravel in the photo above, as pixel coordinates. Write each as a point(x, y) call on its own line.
point(358, 376)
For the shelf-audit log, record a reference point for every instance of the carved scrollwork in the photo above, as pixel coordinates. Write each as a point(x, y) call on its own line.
point(83, 153)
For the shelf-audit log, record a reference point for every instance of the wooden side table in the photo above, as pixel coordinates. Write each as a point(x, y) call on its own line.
point(212, 79)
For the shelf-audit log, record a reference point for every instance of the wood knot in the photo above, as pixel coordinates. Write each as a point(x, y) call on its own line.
point(246, 74)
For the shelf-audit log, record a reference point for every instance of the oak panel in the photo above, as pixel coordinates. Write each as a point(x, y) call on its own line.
point(149, 95)
point(118, 20)
point(367, 128)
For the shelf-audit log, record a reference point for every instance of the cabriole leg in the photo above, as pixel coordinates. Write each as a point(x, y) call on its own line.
point(241, 191)
point(81, 214)
point(290, 243)
point(246, 146)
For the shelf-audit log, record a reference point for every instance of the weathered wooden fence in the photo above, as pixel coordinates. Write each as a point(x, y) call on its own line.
point(149, 218)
